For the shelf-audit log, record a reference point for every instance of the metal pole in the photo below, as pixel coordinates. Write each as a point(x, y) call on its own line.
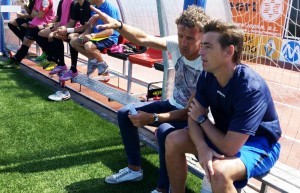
point(2, 43)
point(164, 53)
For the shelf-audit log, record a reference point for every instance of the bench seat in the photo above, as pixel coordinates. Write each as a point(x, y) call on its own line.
point(106, 90)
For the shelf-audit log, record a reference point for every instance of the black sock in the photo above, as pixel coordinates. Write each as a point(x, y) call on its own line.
point(44, 44)
point(74, 69)
point(16, 31)
point(74, 58)
point(58, 47)
point(21, 53)
point(22, 32)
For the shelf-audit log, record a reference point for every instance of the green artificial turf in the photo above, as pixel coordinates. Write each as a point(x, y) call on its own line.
point(55, 147)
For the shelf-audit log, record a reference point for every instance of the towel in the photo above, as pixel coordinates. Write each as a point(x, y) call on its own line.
point(65, 16)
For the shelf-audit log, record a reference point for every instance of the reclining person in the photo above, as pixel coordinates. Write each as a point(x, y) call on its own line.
point(43, 13)
point(19, 25)
point(48, 35)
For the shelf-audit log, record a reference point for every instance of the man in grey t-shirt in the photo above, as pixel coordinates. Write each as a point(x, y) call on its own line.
point(170, 114)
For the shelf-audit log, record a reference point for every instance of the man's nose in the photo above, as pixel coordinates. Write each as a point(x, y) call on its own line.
point(200, 51)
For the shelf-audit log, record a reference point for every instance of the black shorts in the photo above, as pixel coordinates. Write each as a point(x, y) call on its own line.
point(32, 33)
point(20, 21)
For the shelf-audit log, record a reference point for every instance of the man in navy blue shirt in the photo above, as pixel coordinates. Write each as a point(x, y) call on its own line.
point(242, 140)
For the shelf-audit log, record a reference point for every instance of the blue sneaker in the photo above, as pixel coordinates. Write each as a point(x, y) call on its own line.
point(102, 68)
point(92, 66)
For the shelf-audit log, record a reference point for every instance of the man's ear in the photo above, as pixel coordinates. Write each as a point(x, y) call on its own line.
point(230, 50)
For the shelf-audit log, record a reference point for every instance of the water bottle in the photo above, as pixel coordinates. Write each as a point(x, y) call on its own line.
point(206, 186)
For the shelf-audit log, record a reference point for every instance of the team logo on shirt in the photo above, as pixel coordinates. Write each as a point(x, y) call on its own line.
point(221, 94)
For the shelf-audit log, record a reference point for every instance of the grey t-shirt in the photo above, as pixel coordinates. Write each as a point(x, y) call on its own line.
point(186, 74)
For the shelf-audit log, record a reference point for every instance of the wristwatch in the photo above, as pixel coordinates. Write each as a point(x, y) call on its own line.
point(201, 119)
point(156, 119)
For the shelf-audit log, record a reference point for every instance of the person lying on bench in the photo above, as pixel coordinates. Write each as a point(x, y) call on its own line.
point(92, 41)
point(167, 115)
point(242, 142)
point(43, 13)
point(19, 25)
point(48, 40)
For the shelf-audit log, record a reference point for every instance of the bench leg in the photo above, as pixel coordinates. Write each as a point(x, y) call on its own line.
point(263, 188)
point(129, 78)
point(124, 67)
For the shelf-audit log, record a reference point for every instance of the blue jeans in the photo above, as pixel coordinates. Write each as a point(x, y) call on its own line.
point(131, 139)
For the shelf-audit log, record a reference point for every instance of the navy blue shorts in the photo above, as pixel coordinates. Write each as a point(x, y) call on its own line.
point(102, 44)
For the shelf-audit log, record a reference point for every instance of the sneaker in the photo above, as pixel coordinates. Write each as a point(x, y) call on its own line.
point(41, 57)
point(105, 77)
point(68, 75)
point(10, 64)
point(155, 191)
point(92, 66)
point(50, 66)
point(124, 175)
point(60, 96)
point(102, 68)
point(58, 70)
point(44, 63)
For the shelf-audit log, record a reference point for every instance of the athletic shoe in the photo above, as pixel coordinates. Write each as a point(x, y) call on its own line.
point(102, 68)
point(10, 64)
point(44, 63)
point(41, 57)
point(155, 191)
point(50, 66)
point(58, 70)
point(60, 96)
point(124, 175)
point(68, 75)
point(105, 77)
point(92, 66)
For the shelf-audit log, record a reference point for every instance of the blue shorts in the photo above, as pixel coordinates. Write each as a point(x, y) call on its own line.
point(102, 44)
point(258, 156)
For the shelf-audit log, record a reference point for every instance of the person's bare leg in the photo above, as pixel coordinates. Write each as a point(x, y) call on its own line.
point(79, 46)
point(45, 32)
point(177, 144)
point(93, 51)
point(27, 42)
point(227, 171)
point(14, 22)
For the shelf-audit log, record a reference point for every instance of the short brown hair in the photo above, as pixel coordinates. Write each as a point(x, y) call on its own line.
point(231, 34)
point(193, 17)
